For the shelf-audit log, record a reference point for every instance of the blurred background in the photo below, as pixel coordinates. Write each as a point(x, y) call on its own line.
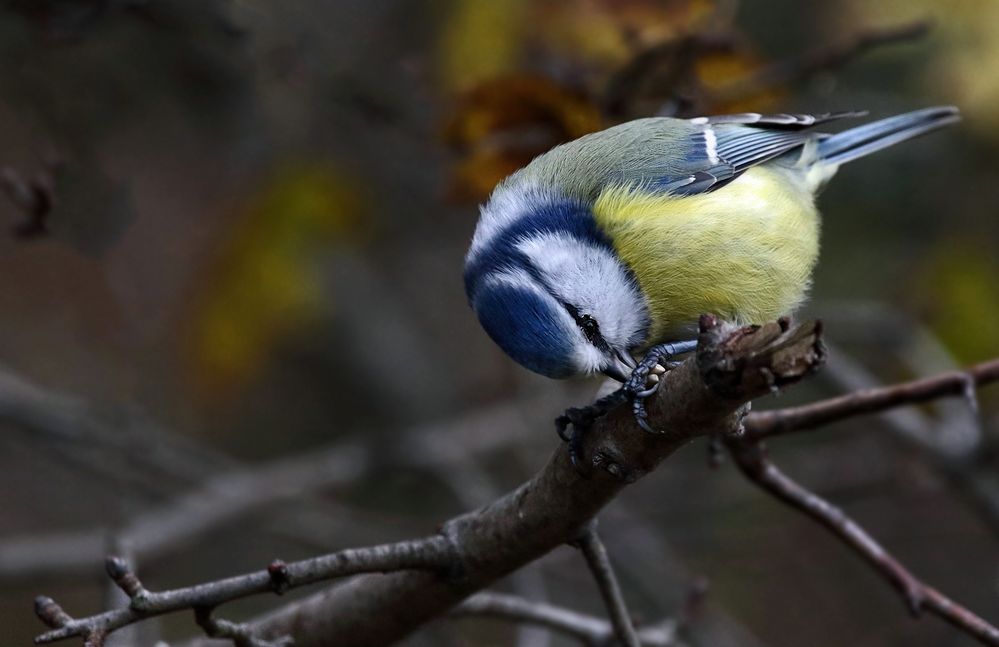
point(232, 323)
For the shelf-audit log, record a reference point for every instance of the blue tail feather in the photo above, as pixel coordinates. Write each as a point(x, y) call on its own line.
point(869, 138)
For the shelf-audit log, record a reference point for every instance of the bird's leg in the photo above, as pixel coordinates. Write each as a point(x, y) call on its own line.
point(644, 380)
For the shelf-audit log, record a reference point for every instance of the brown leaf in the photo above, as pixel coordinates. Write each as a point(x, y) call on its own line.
point(501, 124)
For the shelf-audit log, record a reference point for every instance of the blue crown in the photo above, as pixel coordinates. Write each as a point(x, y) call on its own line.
point(563, 216)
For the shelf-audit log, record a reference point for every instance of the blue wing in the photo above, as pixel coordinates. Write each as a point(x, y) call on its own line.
point(725, 146)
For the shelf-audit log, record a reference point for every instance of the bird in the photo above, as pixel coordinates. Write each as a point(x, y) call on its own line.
point(609, 247)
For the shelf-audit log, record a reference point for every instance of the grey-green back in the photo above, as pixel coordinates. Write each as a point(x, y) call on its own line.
point(681, 156)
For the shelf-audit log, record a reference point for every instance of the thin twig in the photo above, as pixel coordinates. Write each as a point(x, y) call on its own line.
point(124, 445)
point(765, 424)
point(693, 604)
point(610, 589)
point(823, 59)
point(751, 458)
point(651, 559)
point(588, 629)
point(116, 597)
point(951, 439)
point(433, 553)
point(847, 375)
point(678, 58)
point(235, 493)
point(239, 634)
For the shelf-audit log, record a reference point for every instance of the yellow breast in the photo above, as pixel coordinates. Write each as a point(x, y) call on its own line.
point(744, 252)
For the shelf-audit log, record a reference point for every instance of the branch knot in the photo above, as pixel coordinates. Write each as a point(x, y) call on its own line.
point(735, 361)
point(280, 578)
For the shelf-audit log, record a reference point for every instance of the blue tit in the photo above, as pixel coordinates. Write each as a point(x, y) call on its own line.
point(615, 243)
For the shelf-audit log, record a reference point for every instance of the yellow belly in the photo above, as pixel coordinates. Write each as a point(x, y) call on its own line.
point(744, 252)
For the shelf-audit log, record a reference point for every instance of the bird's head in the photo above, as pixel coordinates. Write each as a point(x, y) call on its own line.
point(557, 299)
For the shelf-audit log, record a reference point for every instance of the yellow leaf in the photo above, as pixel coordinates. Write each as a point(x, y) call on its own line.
point(262, 284)
point(481, 39)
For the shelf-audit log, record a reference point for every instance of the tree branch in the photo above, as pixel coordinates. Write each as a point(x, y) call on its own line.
point(704, 395)
point(432, 554)
point(549, 510)
point(751, 458)
point(765, 424)
point(950, 438)
point(83, 434)
point(823, 59)
point(610, 590)
point(239, 634)
point(588, 629)
point(238, 491)
point(678, 58)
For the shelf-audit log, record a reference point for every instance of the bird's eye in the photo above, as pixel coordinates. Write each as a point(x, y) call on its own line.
point(589, 327)
point(585, 322)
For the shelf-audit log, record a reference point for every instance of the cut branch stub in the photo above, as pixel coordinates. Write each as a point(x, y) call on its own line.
point(734, 361)
point(705, 396)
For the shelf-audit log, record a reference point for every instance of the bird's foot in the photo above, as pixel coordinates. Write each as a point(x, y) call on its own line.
point(644, 380)
point(581, 420)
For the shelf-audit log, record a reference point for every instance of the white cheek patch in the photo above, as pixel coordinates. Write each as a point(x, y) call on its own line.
point(593, 279)
point(587, 358)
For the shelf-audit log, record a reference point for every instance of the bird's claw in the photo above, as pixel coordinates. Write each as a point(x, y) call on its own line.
point(645, 379)
point(646, 393)
point(640, 415)
point(638, 397)
point(581, 420)
point(643, 382)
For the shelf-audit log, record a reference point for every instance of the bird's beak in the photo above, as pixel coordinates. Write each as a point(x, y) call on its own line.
point(621, 367)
